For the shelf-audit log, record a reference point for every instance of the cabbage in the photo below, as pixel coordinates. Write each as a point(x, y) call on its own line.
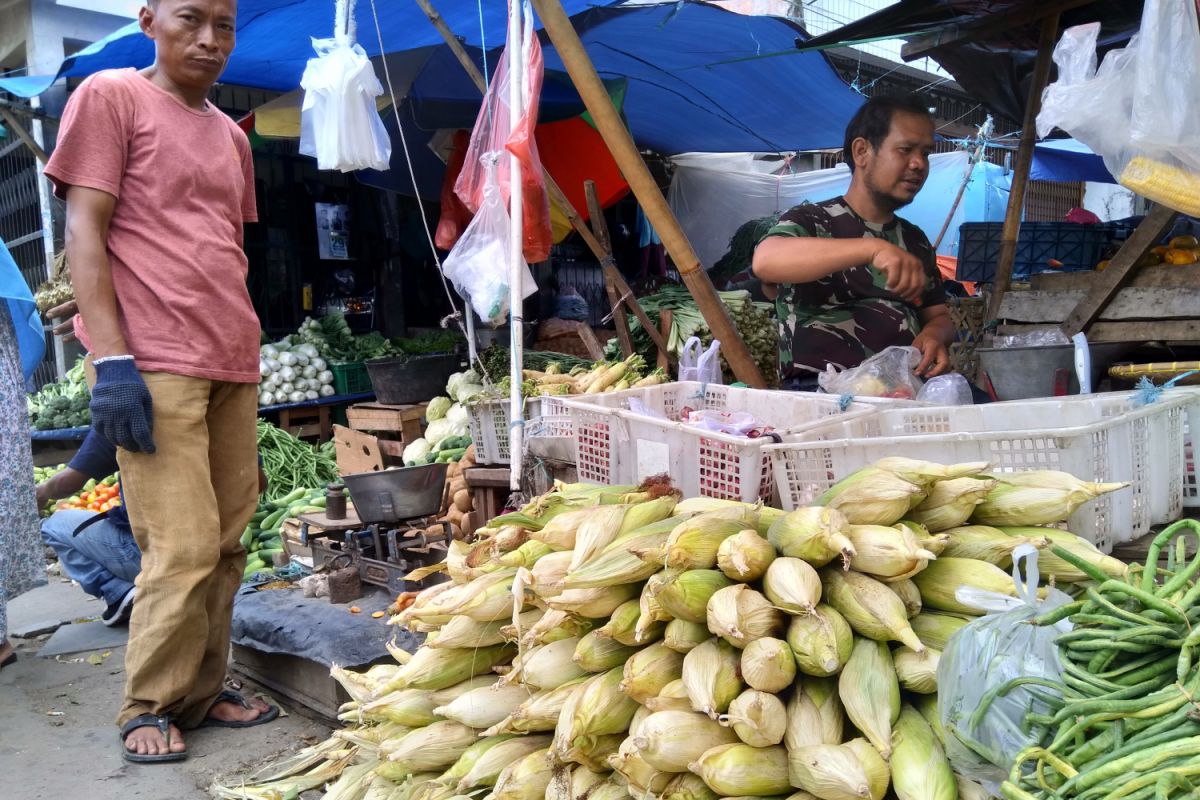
point(416, 451)
point(438, 407)
point(439, 429)
point(471, 376)
point(453, 382)
point(457, 414)
point(468, 391)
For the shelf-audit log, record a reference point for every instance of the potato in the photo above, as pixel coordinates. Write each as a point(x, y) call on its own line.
point(462, 500)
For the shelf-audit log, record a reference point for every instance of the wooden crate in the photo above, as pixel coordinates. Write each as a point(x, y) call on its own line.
point(381, 418)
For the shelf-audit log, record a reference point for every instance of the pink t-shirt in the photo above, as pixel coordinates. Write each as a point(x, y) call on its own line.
point(184, 184)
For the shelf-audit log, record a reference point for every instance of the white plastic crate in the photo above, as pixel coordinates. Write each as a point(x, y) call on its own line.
point(1191, 444)
point(1098, 438)
point(489, 423)
point(617, 446)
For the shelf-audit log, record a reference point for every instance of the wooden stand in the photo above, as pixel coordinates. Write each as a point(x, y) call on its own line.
point(489, 490)
point(308, 421)
point(381, 418)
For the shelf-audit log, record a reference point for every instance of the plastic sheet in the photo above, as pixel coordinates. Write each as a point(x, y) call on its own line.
point(984, 655)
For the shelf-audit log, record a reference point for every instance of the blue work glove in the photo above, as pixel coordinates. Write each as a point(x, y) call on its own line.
point(122, 410)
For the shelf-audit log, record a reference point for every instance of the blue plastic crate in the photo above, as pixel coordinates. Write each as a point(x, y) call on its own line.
point(1078, 247)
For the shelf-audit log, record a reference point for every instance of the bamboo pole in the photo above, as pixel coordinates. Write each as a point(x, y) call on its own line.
point(583, 74)
point(600, 228)
point(1016, 195)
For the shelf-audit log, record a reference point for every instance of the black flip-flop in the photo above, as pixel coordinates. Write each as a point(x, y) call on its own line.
point(228, 696)
point(12, 659)
point(163, 723)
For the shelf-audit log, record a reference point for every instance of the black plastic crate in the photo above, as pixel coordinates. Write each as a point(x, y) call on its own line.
point(1077, 247)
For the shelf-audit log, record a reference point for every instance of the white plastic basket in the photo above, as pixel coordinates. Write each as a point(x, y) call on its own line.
point(1098, 438)
point(1191, 444)
point(489, 422)
point(617, 446)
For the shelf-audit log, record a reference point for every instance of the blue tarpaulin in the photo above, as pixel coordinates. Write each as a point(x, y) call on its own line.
point(1068, 160)
point(699, 78)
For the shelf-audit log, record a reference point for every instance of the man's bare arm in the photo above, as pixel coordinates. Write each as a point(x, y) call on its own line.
point(89, 212)
point(802, 259)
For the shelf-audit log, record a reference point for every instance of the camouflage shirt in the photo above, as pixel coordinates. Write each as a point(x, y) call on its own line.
point(846, 317)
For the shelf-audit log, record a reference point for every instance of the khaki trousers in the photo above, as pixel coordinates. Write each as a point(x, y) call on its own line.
point(188, 504)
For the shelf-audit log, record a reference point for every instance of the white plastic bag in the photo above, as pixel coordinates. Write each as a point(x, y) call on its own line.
point(888, 373)
point(950, 389)
point(339, 122)
point(700, 365)
point(1140, 110)
point(988, 652)
point(478, 264)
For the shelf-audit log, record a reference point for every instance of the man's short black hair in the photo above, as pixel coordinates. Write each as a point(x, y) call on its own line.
point(874, 119)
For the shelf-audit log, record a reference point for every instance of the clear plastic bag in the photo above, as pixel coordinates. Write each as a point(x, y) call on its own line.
point(700, 365)
point(888, 373)
point(950, 389)
point(734, 423)
point(478, 264)
point(987, 653)
point(1138, 110)
point(493, 134)
point(339, 121)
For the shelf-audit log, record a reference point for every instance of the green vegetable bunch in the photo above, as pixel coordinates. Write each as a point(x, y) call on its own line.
point(63, 404)
point(292, 464)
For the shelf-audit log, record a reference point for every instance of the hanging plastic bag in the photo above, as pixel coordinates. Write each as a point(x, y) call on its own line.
point(983, 740)
point(950, 389)
point(339, 122)
point(455, 217)
point(888, 373)
point(699, 365)
point(1138, 110)
point(477, 266)
point(493, 133)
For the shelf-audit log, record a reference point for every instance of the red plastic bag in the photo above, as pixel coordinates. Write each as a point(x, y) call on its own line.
point(455, 216)
point(491, 135)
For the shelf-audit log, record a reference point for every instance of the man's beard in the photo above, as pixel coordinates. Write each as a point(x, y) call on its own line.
point(885, 200)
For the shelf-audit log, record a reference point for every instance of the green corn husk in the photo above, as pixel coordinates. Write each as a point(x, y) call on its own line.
point(688, 787)
point(439, 669)
point(493, 761)
point(985, 543)
point(768, 665)
point(411, 707)
point(951, 502)
point(597, 653)
point(745, 556)
point(759, 719)
point(681, 635)
point(619, 563)
point(942, 578)
point(927, 705)
point(466, 632)
point(935, 629)
point(433, 602)
point(814, 534)
point(433, 747)
point(613, 787)
point(920, 770)
point(814, 714)
point(1037, 497)
point(694, 543)
point(887, 552)
point(597, 709)
point(739, 769)
point(651, 609)
point(1051, 565)
point(909, 595)
point(673, 697)
point(820, 641)
point(482, 708)
point(710, 674)
point(538, 713)
point(442, 697)
point(639, 717)
point(970, 790)
point(546, 667)
point(839, 772)
point(609, 523)
point(685, 595)
point(526, 555)
point(552, 626)
point(671, 740)
point(873, 496)
point(594, 603)
point(526, 779)
point(593, 752)
point(560, 531)
point(649, 670)
point(917, 672)
point(927, 473)
point(550, 573)
point(872, 609)
point(642, 778)
point(488, 598)
point(934, 543)
point(739, 615)
point(622, 627)
point(870, 692)
point(792, 585)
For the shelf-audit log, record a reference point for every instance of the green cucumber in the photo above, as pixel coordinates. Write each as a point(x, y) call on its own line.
point(288, 499)
point(273, 520)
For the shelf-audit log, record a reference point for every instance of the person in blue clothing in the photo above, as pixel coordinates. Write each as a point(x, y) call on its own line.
point(95, 549)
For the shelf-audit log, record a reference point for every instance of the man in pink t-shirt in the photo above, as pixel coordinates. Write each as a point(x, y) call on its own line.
point(158, 183)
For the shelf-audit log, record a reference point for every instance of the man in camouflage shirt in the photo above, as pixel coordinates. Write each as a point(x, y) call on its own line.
point(850, 278)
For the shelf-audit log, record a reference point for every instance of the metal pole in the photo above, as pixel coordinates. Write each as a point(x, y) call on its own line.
point(516, 249)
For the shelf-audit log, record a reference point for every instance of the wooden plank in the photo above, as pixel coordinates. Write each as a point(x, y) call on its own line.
point(1120, 268)
point(486, 476)
point(666, 318)
point(1162, 276)
point(379, 417)
point(1165, 331)
point(356, 451)
point(594, 348)
point(1024, 160)
point(1129, 304)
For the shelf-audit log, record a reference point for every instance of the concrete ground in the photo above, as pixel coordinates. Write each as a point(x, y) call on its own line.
point(57, 735)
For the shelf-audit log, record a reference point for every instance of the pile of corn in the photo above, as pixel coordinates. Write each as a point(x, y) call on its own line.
point(613, 642)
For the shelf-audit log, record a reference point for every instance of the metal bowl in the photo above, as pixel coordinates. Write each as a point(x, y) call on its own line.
point(395, 495)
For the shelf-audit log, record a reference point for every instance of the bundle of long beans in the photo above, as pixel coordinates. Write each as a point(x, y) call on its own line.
point(1126, 724)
